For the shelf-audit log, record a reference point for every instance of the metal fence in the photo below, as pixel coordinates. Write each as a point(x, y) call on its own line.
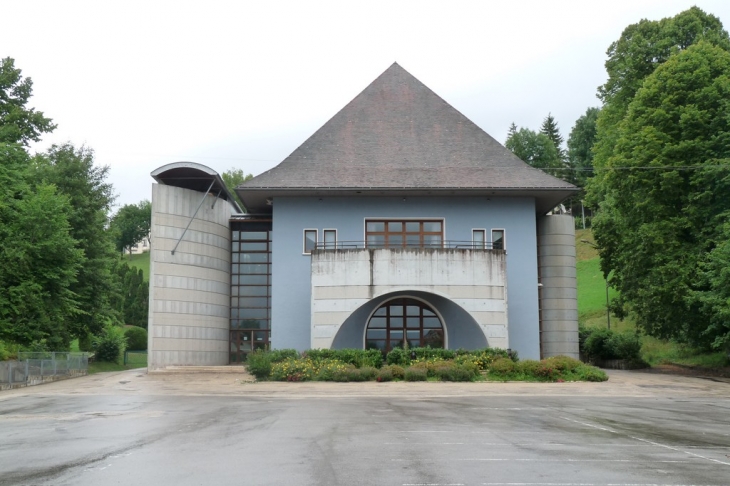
point(33, 367)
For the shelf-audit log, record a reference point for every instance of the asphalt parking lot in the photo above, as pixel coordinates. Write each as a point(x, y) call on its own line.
point(202, 429)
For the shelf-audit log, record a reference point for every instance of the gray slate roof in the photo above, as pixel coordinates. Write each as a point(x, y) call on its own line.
point(398, 135)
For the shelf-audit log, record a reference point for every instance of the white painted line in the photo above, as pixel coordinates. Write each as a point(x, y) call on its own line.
point(492, 459)
point(590, 425)
point(594, 484)
point(680, 450)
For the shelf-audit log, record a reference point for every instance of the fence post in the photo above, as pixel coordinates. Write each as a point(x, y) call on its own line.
point(10, 372)
point(26, 371)
point(41, 368)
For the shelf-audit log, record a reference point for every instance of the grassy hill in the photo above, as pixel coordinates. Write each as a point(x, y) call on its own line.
point(140, 261)
point(592, 313)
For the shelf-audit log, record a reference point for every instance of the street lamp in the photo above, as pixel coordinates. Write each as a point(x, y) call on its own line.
point(608, 308)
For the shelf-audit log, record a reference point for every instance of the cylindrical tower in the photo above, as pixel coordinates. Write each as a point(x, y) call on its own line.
point(558, 290)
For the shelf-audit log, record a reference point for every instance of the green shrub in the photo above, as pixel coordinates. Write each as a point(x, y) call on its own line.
point(293, 369)
point(259, 364)
point(136, 338)
point(450, 371)
point(368, 373)
point(328, 369)
point(355, 357)
point(384, 374)
point(109, 346)
point(416, 373)
point(397, 356)
point(86, 343)
point(527, 367)
point(502, 367)
point(590, 373)
point(597, 344)
point(605, 344)
point(398, 372)
point(4, 353)
point(279, 355)
point(625, 345)
point(546, 371)
point(432, 353)
point(564, 363)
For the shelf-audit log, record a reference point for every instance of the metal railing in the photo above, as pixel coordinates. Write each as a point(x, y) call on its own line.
point(37, 366)
point(449, 244)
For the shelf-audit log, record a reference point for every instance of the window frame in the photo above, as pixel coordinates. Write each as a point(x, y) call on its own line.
point(483, 231)
point(421, 233)
point(324, 238)
point(304, 240)
point(504, 238)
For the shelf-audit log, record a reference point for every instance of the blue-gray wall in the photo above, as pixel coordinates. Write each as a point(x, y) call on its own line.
point(291, 288)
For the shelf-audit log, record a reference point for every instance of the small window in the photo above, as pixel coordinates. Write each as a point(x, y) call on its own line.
point(310, 240)
point(330, 239)
point(478, 238)
point(498, 239)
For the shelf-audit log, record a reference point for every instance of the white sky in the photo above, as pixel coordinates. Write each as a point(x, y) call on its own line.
point(242, 84)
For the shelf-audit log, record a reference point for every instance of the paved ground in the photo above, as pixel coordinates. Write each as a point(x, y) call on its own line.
point(204, 429)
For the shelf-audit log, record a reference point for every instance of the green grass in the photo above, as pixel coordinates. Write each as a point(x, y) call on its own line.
point(592, 313)
point(140, 261)
point(103, 367)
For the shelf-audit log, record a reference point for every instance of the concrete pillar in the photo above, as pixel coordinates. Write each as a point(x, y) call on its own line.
point(558, 293)
point(190, 291)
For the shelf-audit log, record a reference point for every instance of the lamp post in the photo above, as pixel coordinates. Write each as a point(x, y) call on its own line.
point(608, 307)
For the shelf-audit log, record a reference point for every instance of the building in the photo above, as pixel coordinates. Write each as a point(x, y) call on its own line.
point(398, 220)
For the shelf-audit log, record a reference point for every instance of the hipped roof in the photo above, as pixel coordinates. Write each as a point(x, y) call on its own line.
point(397, 137)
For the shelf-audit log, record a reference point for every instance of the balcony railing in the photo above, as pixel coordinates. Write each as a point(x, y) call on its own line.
point(450, 244)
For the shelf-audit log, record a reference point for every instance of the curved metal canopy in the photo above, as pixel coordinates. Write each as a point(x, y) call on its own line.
point(194, 176)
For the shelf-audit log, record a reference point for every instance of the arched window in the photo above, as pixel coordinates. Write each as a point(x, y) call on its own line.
point(404, 319)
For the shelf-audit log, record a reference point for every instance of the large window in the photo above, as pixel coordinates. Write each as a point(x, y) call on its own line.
point(250, 288)
point(404, 233)
point(401, 320)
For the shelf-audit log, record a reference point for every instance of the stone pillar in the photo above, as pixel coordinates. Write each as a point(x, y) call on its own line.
point(558, 293)
point(190, 291)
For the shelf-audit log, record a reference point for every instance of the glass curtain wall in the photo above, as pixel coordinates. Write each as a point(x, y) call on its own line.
point(250, 288)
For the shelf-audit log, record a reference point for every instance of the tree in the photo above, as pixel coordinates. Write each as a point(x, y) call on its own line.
point(90, 196)
point(665, 202)
point(580, 145)
point(537, 150)
point(233, 178)
point(39, 260)
point(640, 50)
point(19, 124)
point(550, 128)
point(131, 225)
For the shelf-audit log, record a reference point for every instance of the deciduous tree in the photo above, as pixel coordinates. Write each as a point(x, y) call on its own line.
point(580, 145)
point(537, 150)
point(665, 200)
point(19, 123)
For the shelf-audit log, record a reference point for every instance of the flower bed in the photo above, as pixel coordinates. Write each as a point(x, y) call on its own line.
point(417, 364)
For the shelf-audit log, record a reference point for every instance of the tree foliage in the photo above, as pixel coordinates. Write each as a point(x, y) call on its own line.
point(580, 145)
point(233, 178)
point(664, 197)
point(550, 129)
point(73, 172)
point(131, 225)
point(38, 257)
point(18, 123)
point(537, 149)
point(640, 50)
point(133, 302)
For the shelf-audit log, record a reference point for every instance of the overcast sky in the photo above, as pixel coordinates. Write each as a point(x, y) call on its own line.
point(242, 84)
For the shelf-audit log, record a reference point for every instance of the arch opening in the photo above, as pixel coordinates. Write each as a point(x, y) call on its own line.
point(404, 320)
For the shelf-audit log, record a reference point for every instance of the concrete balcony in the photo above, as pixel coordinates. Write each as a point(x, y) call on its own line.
point(463, 284)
